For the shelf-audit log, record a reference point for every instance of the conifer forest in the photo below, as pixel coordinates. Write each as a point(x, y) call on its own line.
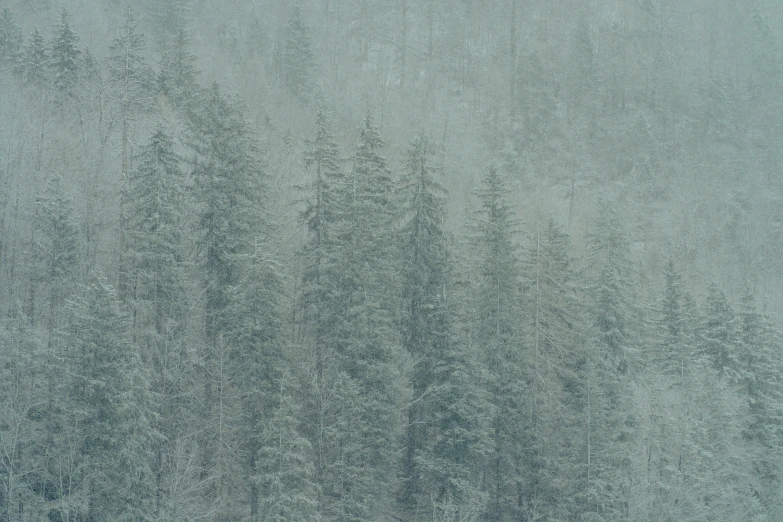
point(391, 260)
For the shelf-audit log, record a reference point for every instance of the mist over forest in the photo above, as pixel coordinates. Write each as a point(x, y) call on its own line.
point(391, 260)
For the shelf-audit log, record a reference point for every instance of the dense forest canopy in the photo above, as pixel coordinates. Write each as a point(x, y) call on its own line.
point(368, 260)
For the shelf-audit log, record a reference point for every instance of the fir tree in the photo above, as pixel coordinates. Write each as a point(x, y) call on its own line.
point(608, 410)
point(258, 364)
point(228, 181)
point(299, 57)
point(177, 75)
point(35, 64)
point(64, 56)
point(719, 333)
point(285, 463)
point(321, 278)
point(10, 42)
point(109, 403)
point(369, 423)
point(130, 78)
point(157, 287)
point(497, 333)
point(554, 444)
point(55, 252)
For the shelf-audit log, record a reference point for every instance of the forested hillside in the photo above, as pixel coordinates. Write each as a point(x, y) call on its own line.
point(391, 260)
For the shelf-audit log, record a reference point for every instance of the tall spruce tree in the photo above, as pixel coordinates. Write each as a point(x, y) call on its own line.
point(157, 292)
point(497, 333)
point(554, 476)
point(228, 182)
point(11, 40)
point(35, 64)
point(719, 333)
point(322, 215)
point(130, 79)
point(370, 388)
point(298, 57)
point(64, 57)
point(448, 418)
point(606, 376)
point(109, 408)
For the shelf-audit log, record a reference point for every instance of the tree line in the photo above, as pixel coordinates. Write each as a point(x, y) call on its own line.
point(197, 366)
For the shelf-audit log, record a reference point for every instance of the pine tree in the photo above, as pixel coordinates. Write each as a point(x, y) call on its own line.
point(157, 287)
point(299, 57)
point(228, 186)
point(553, 459)
point(10, 42)
point(424, 274)
point(35, 63)
point(369, 389)
point(497, 333)
point(448, 421)
point(109, 404)
point(177, 75)
point(131, 79)
point(55, 252)
point(719, 335)
point(759, 364)
point(258, 360)
point(321, 279)
point(64, 57)
point(608, 411)
point(285, 463)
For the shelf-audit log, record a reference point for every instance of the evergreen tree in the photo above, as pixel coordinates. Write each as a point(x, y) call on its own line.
point(759, 366)
point(10, 42)
point(177, 74)
point(299, 57)
point(554, 449)
point(423, 325)
point(719, 335)
point(285, 463)
point(448, 417)
point(321, 279)
point(130, 78)
point(259, 364)
point(497, 333)
point(35, 64)
point(55, 252)
point(228, 179)
point(64, 56)
point(369, 390)
point(608, 411)
point(158, 288)
point(110, 406)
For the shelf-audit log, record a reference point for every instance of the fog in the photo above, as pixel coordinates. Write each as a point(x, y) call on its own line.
point(367, 260)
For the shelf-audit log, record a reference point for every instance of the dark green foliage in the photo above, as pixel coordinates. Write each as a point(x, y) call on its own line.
point(10, 42)
point(64, 57)
point(128, 70)
point(177, 74)
point(719, 333)
point(497, 336)
point(35, 64)
point(109, 408)
point(155, 230)
point(228, 178)
point(299, 57)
